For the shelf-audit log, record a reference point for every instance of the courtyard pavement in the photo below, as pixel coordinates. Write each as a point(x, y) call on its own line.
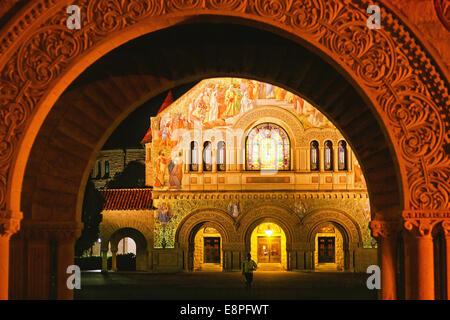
point(224, 286)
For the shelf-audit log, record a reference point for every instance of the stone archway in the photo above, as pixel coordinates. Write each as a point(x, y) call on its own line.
point(402, 107)
point(192, 223)
point(349, 229)
point(269, 213)
point(141, 247)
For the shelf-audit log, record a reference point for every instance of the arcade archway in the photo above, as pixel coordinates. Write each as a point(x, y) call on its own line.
point(405, 123)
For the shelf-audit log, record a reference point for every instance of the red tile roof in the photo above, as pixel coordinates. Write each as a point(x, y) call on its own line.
point(167, 102)
point(127, 199)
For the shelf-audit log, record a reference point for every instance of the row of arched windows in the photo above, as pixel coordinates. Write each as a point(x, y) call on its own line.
point(268, 148)
point(207, 156)
point(328, 156)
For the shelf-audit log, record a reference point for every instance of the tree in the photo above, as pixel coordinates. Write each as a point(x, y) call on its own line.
point(91, 217)
point(133, 176)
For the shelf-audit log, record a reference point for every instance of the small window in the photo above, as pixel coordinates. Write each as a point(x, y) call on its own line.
point(207, 156)
point(194, 156)
point(314, 156)
point(328, 156)
point(221, 157)
point(106, 169)
point(342, 155)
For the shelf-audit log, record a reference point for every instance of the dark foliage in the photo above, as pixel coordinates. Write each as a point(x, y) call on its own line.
point(91, 217)
point(133, 176)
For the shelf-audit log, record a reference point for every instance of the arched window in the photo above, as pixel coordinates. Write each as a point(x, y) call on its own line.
point(221, 157)
point(328, 156)
point(207, 156)
point(314, 156)
point(194, 156)
point(268, 148)
point(106, 169)
point(342, 155)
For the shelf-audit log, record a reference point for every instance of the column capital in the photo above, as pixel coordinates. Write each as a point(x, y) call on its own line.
point(385, 228)
point(54, 230)
point(9, 222)
point(421, 222)
point(446, 227)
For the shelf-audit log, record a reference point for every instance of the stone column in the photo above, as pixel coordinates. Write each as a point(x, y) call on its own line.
point(48, 254)
point(421, 258)
point(308, 159)
point(446, 227)
point(213, 158)
point(309, 260)
point(9, 224)
point(104, 261)
point(65, 258)
point(335, 158)
point(321, 158)
point(387, 232)
point(114, 260)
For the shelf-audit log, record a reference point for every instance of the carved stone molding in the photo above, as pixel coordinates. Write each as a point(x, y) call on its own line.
point(420, 227)
point(285, 219)
point(9, 222)
point(446, 227)
point(221, 221)
point(443, 12)
point(54, 231)
point(313, 220)
point(385, 229)
point(390, 65)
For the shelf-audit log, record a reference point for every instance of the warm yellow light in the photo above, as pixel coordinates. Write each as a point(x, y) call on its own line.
point(268, 231)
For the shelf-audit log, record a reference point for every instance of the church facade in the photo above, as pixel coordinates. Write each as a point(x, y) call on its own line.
point(239, 166)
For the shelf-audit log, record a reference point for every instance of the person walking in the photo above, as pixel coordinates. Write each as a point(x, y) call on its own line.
point(248, 266)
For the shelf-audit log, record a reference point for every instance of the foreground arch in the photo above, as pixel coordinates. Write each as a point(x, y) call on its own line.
point(403, 107)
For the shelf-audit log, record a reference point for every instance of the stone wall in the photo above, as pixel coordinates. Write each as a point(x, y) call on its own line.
point(118, 159)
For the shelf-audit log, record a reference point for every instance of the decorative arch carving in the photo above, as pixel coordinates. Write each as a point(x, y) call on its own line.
point(286, 220)
point(221, 221)
point(39, 57)
point(317, 218)
point(277, 115)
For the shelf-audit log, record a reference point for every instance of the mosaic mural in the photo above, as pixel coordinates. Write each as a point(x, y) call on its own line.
point(218, 103)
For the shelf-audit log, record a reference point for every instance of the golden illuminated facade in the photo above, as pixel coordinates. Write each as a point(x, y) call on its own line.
point(239, 166)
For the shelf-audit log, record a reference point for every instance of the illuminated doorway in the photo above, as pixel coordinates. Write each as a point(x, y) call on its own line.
point(329, 249)
point(208, 250)
point(268, 247)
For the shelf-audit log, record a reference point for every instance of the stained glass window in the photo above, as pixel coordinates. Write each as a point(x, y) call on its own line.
point(268, 148)
point(314, 156)
point(328, 165)
point(342, 163)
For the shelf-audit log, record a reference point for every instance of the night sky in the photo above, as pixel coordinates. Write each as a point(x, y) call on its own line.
point(131, 131)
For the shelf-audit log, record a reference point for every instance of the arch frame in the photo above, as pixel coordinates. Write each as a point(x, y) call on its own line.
point(190, 224)
point(420, 145)
point(286, 220)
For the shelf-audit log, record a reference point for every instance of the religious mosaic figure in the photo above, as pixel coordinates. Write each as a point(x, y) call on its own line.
point(234, 209)
point(164, 213)
point(161, 166)
point(176, 171)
